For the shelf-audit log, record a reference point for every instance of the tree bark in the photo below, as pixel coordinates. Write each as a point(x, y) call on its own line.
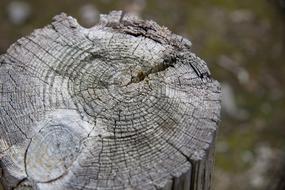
point(122, 105)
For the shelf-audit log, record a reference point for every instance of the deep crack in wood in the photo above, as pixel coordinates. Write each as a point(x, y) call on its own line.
point(122, 105)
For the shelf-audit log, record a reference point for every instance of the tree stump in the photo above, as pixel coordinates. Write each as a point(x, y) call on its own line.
point(122, 105)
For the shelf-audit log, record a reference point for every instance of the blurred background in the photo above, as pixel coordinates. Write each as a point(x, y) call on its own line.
point(243, 42)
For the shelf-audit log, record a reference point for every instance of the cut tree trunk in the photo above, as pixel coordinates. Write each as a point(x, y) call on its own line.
point(122, 105)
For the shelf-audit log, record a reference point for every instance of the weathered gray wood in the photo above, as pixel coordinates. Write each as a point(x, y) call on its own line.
point(122, 105)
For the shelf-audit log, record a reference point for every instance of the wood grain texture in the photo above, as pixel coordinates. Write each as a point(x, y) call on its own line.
point(122, 105)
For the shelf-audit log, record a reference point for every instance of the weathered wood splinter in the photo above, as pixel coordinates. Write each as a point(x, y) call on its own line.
point(122, 105)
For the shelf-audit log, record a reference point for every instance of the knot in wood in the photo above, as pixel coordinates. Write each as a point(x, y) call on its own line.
point(122, 105)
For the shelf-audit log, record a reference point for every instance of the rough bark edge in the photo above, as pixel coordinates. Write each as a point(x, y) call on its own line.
point(132, 25)
point(159, 34)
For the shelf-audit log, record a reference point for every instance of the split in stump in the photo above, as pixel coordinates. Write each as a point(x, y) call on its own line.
point(122, 105)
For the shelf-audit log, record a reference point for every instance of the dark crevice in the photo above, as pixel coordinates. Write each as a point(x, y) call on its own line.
point(122, 16)
point(25, 160)
point(198, 65)
point(140, 28)
point(145, 35)
point(19, 183)
point(141, 75)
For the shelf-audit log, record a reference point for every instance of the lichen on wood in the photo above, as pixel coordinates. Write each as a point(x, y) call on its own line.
point(122, 105)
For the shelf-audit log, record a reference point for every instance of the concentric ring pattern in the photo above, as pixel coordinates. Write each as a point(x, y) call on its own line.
point(124, 104)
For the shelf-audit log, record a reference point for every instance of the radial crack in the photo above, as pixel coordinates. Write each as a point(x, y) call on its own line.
point(141, 74)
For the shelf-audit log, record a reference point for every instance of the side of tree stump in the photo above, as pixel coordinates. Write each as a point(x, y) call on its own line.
point(122, 105)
